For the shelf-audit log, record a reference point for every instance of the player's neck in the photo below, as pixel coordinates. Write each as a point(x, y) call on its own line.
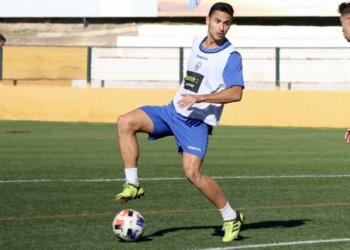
point(210, 43)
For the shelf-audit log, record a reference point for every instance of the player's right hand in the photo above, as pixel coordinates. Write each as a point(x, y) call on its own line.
point(347, 136)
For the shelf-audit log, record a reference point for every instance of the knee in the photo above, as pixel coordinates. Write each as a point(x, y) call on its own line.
point(124, 124)
point(192, 175)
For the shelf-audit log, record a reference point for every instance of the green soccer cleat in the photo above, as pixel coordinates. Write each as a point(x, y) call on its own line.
point(130, 192)
point(232, 228)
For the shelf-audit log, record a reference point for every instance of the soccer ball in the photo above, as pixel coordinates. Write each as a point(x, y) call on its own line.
point(129, 225)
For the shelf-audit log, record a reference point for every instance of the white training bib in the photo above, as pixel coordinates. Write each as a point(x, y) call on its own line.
point(204, 76)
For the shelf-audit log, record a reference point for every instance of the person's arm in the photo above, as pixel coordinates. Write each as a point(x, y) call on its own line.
point(347, 136)
point(233, 94)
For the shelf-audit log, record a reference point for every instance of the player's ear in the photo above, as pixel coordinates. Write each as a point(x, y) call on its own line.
point(207, 20)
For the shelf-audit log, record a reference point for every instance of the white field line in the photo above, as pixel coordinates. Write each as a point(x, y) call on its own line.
point(280, 244)
point(182, 178)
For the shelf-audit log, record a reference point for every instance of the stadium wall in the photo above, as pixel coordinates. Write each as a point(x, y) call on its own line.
point(258, 107)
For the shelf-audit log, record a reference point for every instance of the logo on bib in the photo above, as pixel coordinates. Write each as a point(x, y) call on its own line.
point(198, 66)
point(193, 81)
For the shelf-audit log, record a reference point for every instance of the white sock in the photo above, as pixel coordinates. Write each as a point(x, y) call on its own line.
point(131, 175)
point(228, 213)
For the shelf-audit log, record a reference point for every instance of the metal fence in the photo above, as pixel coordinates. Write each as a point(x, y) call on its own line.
point(121, 67)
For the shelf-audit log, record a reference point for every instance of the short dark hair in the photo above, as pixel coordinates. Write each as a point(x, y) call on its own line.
point(220, 6)
point(344, 8)
point(2, 38)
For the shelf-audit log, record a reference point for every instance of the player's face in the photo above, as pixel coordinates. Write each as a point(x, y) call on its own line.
point(345, 23)
point(218, 25)
point(2, 44)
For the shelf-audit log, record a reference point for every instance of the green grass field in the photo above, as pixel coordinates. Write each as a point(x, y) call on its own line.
point(58, 182)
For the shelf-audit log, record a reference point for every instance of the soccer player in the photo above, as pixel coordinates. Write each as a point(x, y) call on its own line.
point(214, 78)
point(344, 11)
point(2, 41)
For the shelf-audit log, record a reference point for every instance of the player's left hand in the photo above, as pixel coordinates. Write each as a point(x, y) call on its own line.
point(188, 100)
point(347, 136)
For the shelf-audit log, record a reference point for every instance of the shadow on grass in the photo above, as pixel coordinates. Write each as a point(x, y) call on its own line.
point(274, 224)
point(245, 227)
point(17, 132)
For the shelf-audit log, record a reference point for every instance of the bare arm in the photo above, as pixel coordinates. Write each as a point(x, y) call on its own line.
point(347, 136)
point(233, 94)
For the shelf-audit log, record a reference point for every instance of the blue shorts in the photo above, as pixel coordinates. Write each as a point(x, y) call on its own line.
point(191, 135)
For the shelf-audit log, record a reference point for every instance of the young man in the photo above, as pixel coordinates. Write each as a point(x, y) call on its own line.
point(214, 78)
point(344, 11)
point(2, 41)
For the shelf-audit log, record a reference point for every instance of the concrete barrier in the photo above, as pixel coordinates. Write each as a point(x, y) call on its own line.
point(244, 31)
point(239, 35)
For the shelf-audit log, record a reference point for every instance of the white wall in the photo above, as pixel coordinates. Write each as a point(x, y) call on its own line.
point(78, 8)
point(155, 35)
